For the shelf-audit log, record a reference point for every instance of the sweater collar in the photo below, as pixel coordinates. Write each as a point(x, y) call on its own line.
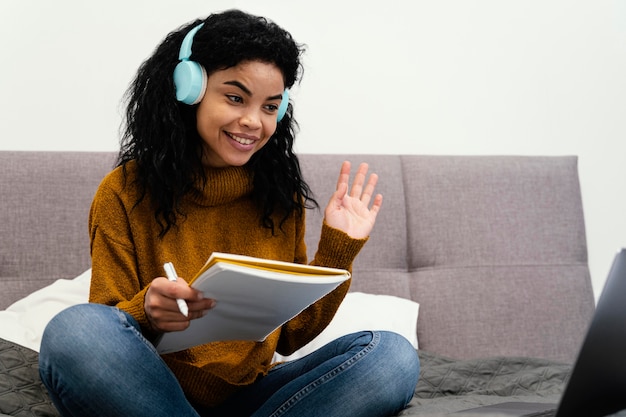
point(223, 186)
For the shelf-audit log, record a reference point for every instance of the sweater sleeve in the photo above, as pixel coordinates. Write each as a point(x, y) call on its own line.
point(336, 250)
point(115, 277)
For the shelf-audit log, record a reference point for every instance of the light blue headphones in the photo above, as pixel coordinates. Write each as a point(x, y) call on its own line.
point(190, 77)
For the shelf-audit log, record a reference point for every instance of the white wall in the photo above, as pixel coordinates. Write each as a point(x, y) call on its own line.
point(429, 77)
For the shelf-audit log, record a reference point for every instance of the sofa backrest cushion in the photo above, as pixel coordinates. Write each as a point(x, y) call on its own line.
point(44, 207)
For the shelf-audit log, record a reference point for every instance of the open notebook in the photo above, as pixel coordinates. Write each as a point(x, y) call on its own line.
point(254, 297)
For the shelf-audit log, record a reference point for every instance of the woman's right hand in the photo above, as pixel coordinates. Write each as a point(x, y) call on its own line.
point(162, 309)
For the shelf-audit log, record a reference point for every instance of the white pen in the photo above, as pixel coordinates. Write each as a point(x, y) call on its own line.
point(172, 276)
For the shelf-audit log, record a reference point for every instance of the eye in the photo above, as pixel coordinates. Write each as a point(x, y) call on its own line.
point(272, 108)
point(234, 98)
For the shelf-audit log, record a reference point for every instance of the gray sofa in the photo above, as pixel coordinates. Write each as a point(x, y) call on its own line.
point(493, 249)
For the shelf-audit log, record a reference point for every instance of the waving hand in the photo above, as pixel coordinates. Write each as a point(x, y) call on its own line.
point(351, 211)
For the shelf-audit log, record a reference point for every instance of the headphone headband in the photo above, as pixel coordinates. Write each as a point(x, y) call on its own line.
point(185, 47)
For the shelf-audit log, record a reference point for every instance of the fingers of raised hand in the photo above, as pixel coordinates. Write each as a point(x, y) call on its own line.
point(344, 175)
point(362, 190)
point(368, 192)
point(359, 180)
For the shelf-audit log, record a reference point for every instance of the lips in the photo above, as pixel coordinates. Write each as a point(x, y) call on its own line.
point(241, 140)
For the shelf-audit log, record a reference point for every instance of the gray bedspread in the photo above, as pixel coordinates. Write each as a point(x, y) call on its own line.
point(448, 385)
point(21, 391)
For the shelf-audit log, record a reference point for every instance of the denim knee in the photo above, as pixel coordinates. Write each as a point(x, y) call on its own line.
point(62, 335)
point(78, 334)
point(403, 351)
point(401, 363)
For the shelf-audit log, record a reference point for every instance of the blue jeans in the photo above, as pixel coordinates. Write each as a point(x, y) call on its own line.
point(95, 361)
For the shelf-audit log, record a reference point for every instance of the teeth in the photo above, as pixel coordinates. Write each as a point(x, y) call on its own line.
point(243, 141)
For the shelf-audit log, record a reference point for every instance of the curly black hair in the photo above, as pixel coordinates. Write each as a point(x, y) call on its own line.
point(160, 133)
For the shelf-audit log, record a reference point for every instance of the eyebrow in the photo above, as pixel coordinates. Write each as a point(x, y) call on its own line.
point(247, 91)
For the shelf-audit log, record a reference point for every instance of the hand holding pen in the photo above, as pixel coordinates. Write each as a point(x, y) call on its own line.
point(166, 302)
point(173, 277)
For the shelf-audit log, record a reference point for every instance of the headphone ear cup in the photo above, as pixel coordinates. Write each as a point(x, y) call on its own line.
point(190, 81)
point(282, 108)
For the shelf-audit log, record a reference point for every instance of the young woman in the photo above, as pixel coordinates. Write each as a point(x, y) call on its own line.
point(207, 164)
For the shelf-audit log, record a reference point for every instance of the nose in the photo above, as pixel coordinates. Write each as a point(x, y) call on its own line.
point(250, 119)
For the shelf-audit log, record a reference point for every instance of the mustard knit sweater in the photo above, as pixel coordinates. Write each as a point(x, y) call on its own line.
point(127, 254)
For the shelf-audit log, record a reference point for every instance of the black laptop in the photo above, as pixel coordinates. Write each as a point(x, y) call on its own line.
point(597, 385)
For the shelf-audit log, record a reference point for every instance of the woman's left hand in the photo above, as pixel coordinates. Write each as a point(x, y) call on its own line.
point(351, 212)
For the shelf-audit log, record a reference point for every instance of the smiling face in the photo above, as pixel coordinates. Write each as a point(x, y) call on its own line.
point(237, 115)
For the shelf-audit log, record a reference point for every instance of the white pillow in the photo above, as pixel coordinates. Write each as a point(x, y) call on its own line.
point(24, 321)
point(361, 311)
